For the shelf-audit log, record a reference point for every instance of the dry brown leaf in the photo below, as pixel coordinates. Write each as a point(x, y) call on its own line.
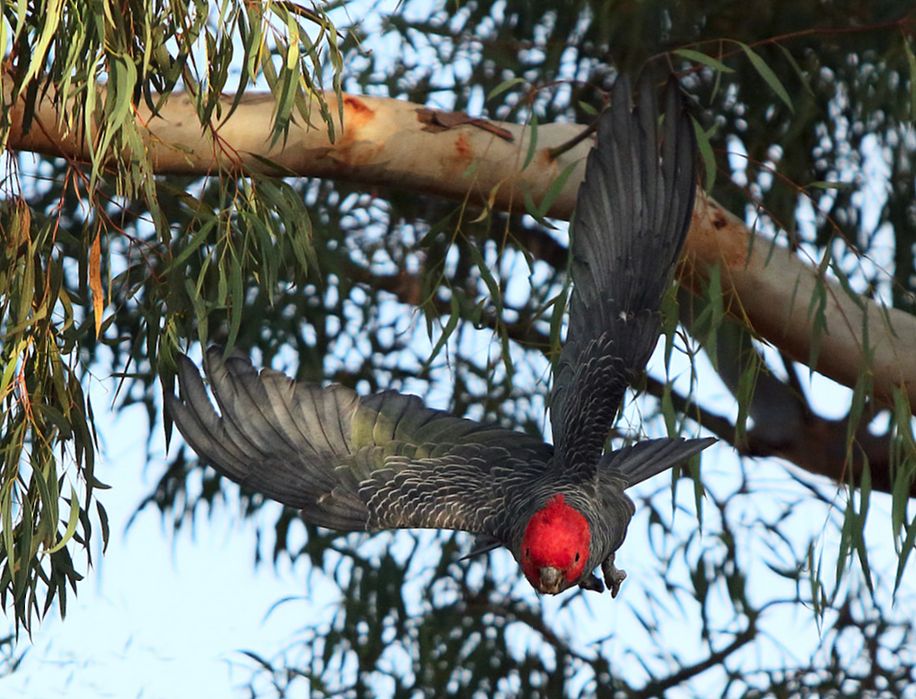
point(95, 280)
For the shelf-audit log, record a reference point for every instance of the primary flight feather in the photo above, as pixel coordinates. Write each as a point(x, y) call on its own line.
point(386, 461)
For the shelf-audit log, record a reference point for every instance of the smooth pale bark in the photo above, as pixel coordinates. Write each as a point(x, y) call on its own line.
point(405, 146)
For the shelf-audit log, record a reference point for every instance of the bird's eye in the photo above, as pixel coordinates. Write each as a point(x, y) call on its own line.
point(577, 556)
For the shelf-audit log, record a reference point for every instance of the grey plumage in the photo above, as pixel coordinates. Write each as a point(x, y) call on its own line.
point(350, 462)
point(385, 461)
point(631, 219)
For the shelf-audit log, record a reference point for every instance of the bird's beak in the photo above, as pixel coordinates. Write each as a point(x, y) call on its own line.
point(551, 580)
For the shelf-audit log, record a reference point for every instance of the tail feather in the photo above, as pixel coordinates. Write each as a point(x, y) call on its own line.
point(643, 460)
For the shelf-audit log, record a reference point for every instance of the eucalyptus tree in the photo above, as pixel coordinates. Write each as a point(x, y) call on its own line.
point(375, 196)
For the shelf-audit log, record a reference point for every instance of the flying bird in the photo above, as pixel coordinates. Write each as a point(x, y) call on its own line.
point(386, 461)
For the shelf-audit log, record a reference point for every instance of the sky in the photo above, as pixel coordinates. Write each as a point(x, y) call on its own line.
point(161, 614)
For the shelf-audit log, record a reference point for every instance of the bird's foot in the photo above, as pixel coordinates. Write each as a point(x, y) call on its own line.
point(613, 576)
point(591, 582)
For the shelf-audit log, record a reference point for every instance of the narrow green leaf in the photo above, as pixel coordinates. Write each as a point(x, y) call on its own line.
point(12, 364)
point(503, 86)
point(814, 580)
point(817, 312)
point(714, 297)
point(193, 244)
point(556, 321)
point(669, 414)
point(532, 209)
point(706, 152)
point(860, 394)
point(747, 384)
point(506, 353)
point(846, 535)
point(699, 492)
point(827, 184)
point(768, 75)
point(236, 293)
point(26, 555)
point(911, 60)
point(292, 33)
point(26, 291)
point(532, 140)
point(861, 548)
point(71, 522)
point(103, 521)
point(21, 7)
point(52, 13)
point(670, 311)
point(48, 512)
point(903, 461)
point(124, 73)
point(702, 58)
point(798, 71)
point(6, 516)
point(909, 543)
point(4, 36)
point(553, 191)
point(486, 275)
point(844, 283)
point(448, 329)
point(435, 229)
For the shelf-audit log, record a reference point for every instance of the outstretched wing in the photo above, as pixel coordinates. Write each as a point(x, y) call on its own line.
point(632, 215)
point(348, 462)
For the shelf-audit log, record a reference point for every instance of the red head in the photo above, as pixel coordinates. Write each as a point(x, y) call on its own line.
point(555, 546)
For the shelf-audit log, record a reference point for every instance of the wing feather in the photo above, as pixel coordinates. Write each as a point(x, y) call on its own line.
point(350, 462)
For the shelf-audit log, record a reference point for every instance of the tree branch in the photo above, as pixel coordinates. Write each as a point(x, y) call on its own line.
point(815, 444)
point(392, 143)
point(784, 424)
point(659, 687)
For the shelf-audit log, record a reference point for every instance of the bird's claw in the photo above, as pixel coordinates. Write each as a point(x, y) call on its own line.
point(613, 575)
point(591, 582)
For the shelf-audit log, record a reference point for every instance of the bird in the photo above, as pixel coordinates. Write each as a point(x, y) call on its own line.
point(354, 462)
